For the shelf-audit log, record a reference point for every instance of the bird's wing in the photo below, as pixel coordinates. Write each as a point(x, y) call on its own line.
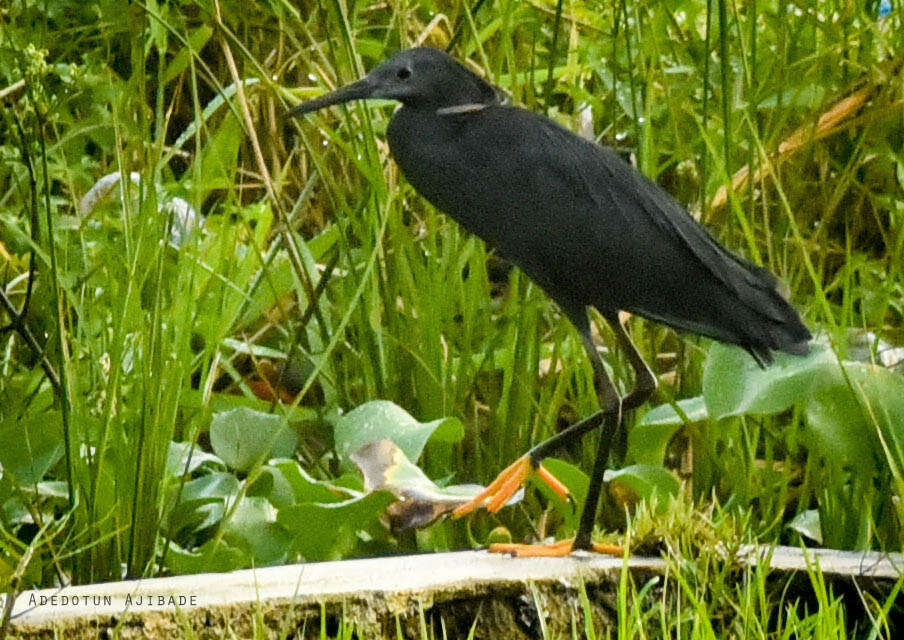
point(616, 187)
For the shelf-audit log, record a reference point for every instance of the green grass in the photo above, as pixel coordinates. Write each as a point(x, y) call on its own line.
point(316, 249)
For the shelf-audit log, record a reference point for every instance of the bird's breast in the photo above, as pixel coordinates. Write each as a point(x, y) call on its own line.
point(461, 167)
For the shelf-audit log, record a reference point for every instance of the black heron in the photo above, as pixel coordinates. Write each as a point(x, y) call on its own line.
point(583, 224)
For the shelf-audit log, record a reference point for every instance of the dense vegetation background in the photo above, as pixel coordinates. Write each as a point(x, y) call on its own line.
point(189, 355)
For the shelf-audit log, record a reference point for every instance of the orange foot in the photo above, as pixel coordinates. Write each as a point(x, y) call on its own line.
point(552, 550)
point(507, 483)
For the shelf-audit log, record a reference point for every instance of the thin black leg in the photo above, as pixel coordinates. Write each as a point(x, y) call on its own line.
point(610, 418)
point(644, 380)
point(645, 384)
point(582, 539)
point(562, 438)
point(610, 421)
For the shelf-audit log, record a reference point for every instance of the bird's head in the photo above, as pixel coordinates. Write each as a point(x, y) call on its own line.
point(421, 78)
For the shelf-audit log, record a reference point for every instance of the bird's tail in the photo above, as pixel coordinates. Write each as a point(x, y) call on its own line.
point(775, 324)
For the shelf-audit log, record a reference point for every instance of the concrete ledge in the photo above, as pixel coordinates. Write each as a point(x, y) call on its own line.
point(373, 592)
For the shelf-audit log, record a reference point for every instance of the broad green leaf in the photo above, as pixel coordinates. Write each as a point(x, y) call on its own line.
point(252, 526)
point(734, 385)
point(220, 154)
point(859, 423)
point(648, 440)
point(30, 445)
point(837, 430)
point(665, 415)
point(639, 482)
point(212, 556)
point(329, 531)
point(178, 462)
point(202, 502)
point(284, 483)
point(383, 419)
point(244, 438)
point(15, 513)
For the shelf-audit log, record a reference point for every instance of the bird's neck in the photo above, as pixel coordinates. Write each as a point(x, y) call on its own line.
point(489, 96)
point(467, 107)
point(463, 98)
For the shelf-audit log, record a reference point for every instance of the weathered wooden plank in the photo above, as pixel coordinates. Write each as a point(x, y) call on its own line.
point(374, 592)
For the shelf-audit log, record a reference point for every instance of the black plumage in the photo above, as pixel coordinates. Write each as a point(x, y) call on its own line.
point(582, 223)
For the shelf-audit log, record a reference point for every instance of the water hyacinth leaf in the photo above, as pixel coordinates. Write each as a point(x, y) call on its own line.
point(193, 516)
point(252, 527)
point(244, 438)
point(665, 415)
point(213, 556)
point(837, 430)
point(639, 482)
point(845, 421)
point(284, 483)
point(350, 482)
point(329, 531)
point(648, 439)
point(211, 485)
point(202, 502)
point(30, 446)
point(734, 385)
point(179, 463)
point(380, 419)
point(420, 501)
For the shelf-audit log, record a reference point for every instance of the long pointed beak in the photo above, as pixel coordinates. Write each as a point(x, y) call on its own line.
point(361, 89)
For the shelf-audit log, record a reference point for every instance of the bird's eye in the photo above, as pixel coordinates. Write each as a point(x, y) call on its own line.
point(404, 73)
